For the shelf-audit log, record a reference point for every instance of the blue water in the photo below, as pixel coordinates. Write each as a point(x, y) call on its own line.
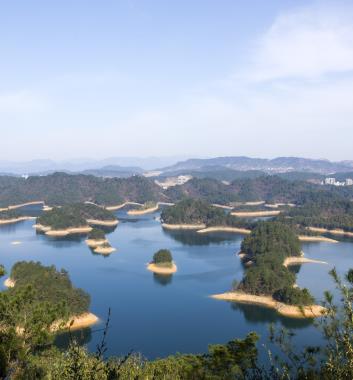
point(158, 316)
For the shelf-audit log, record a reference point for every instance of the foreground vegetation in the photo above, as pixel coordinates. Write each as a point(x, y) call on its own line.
point(31, 356)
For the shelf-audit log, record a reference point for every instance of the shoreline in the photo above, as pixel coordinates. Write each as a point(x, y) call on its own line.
point(79, 322)
point(99, 222)
point(254, 214)
point(64, 232)
point(94, 243)
point(336, 231)
point(143, 211)
point(315, 239)
point(162, 270)
point(121, 205)
point(291, 311)
point(300, 260)
point(183, 226)
point(9, 283)
point(104, 250)
point(224, 207)
point(15, 220)
point(238, 230)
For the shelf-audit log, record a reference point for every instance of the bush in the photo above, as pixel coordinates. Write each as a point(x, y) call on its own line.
point(96, 234)
point(163, 256)
point(294, 296)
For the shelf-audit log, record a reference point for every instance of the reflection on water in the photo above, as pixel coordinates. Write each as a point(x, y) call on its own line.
point(82, 337)
point(259, 314)
point(194, 238)
point(162, 279)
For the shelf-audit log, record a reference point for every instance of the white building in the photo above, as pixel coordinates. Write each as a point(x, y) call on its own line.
point(349, 182)
point(330, 181)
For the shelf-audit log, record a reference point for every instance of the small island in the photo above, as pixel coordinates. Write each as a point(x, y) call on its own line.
point(146, 208)
point(162, 263)
point(104, 249)
point(74, 219)
point(53, 288)
point(267, 253)
point(96, 237)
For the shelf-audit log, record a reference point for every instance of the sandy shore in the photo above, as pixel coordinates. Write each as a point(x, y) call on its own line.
point(315, 239)
point(336, 231)
point(300, 260)
point(15, 220)
point(12, 207)
point(256, 203)
point(291, 311)
point(93, 243)
point(162, 270)
point(143, 211)
point(224, 229)
point(222, 206)
point(121, 205)
point(68, 231)
point(104, 250)
point(98, 222)
point(254, 214)
point(183, 226)
point(9, 283)
point(47, 208)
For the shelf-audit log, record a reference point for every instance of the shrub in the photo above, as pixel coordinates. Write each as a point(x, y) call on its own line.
point(163, 256)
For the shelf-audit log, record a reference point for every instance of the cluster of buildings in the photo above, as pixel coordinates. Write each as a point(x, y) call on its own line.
point(332, 181)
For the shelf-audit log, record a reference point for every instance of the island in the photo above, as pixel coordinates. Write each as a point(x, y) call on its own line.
point(74, 219)
point(104, 249)
point(195, 214)
point(8, 217)
point(47, 285)
point(267, 252)
point(96, 237)
point(146, 208)
point(162, 263)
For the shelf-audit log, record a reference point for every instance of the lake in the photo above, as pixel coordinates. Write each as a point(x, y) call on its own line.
point(159, 316)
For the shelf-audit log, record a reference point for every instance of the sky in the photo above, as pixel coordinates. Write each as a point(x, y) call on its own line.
point(194, 78)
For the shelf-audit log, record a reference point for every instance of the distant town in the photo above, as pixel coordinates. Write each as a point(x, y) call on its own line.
point(332, 181)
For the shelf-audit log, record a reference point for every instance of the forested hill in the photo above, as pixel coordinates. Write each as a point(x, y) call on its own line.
point(61, 188)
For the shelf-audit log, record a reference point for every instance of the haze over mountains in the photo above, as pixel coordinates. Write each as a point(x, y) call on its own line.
point(127, 166)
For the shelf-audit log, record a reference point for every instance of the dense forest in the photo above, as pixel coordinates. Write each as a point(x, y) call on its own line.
point(60, 189)
point(194, 211)
point(266, 248)
point(75, 215)
point(49, 285)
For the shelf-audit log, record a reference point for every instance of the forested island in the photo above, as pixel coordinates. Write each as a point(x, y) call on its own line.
point(36, 287)
point(193, 212)
point(267, 281)
point(75, 218)
point(162, 263)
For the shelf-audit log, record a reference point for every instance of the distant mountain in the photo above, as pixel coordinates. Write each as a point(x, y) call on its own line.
point(114, 171)
point(270, 166)
point(44, 166)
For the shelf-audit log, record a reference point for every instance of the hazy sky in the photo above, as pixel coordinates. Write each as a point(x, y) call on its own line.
point(176, 77)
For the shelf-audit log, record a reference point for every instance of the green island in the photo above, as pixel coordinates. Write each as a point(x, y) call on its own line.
point(43, 287)
point(96, 237)
point(74, 218)
point(104, 249)
point(267, 281)
point(194, 212)
point(162, 263)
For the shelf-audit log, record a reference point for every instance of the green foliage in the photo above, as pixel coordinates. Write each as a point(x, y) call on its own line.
point(2, 270)
point(49, 285)
point(294, 296)
point(8, 214)
point(96, 234)
point(75, 215)
point(163, 256)
point(194, 211)
point(266, 248)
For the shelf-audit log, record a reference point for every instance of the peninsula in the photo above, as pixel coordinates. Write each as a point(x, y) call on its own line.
point(267, 252)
